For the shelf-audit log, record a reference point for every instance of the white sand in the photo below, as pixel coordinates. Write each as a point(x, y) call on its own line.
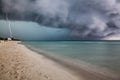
point(19, 63)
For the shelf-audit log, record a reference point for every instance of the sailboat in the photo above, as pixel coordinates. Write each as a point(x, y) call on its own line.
point(9, 27)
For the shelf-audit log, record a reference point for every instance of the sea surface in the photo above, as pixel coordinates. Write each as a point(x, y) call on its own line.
point(101, 53)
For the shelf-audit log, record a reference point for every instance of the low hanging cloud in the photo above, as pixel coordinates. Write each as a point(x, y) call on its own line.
point(88, 19)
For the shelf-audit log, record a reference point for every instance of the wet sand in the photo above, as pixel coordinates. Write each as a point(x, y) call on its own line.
point(81, 69)
point(19, 63)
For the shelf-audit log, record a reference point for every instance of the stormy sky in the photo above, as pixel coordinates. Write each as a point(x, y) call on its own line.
point(84, 19)
point(32, 31)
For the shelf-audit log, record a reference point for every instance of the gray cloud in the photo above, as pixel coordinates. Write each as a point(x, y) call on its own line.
point(86, 18)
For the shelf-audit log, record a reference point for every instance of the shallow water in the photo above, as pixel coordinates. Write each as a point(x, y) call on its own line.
point(102, 54)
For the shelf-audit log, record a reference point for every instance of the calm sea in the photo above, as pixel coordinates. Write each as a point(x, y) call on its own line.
point(102, 54)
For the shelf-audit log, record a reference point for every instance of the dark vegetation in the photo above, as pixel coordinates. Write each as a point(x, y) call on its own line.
point(1, 38)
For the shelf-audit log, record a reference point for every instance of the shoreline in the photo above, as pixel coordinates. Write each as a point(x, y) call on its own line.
point(19, 63)
point(87, 70)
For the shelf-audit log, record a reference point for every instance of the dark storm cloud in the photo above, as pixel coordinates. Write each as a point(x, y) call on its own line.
point(86, 18)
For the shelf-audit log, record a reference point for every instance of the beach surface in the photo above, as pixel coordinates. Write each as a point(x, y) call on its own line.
point(19, 63)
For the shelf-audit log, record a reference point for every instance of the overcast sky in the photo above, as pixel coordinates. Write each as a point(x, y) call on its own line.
point(83, 19)
point(32, 31)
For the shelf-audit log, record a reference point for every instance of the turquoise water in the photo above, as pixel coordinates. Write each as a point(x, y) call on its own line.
point(103, 54)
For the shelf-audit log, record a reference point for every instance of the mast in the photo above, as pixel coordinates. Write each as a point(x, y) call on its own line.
point(9, 26)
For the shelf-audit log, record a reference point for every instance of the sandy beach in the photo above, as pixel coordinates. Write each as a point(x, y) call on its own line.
point(19, 63)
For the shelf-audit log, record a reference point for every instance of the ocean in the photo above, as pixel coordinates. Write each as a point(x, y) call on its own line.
point(99, 53)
